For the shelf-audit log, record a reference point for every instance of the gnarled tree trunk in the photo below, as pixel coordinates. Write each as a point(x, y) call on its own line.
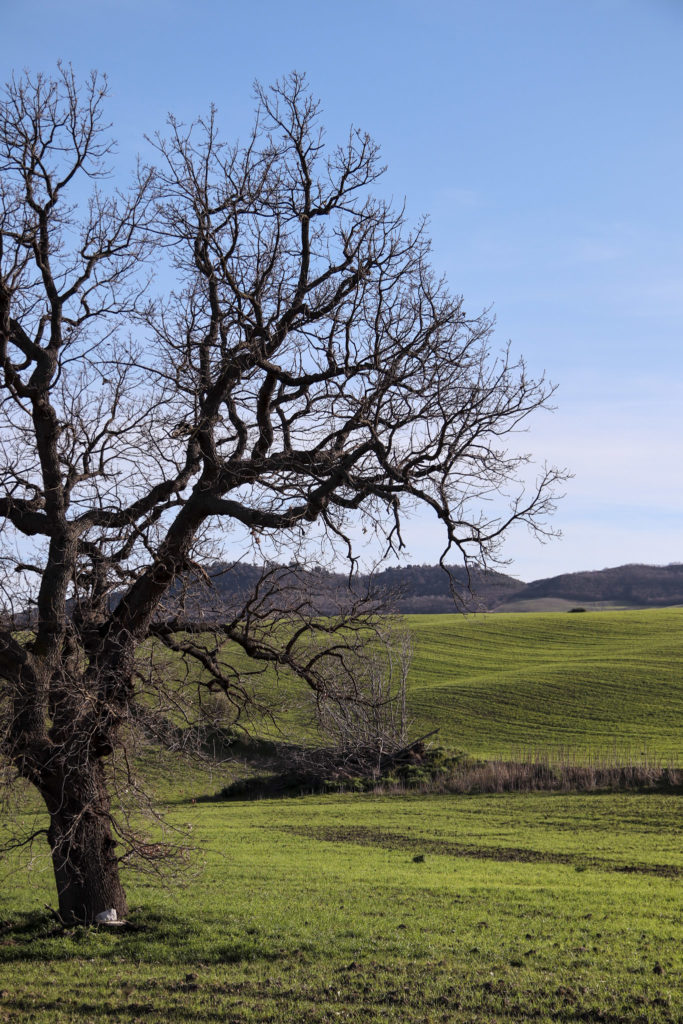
point(82, 846)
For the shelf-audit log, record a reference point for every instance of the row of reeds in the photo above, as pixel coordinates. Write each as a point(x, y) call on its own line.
point(559, 771)
point(527, 771)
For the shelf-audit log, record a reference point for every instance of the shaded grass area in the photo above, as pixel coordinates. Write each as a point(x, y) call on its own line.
point(433, 909)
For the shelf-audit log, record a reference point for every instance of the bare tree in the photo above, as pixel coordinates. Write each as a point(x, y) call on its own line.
point(307, 378)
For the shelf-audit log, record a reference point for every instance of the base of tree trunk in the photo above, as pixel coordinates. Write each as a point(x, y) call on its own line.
point(84, 851)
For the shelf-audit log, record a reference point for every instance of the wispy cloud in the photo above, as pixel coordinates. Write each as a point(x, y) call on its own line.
point(467, 198)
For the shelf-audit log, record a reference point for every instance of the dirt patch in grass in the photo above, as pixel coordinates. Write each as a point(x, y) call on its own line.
point(361, 836)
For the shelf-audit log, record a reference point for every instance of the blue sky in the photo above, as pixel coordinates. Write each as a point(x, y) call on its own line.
point(545, 140)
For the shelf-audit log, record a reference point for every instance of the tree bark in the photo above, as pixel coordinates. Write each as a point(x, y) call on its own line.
point(83, 849)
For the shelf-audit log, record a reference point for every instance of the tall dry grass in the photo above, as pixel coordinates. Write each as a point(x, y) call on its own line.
point(560, 771)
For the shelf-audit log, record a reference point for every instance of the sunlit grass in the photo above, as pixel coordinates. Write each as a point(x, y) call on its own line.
point(413, 908)
point(607, 684)
point(368, 909)
point(603, 682)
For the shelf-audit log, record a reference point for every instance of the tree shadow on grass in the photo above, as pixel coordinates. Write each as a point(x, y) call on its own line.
point(151, 937)
point(38, 935)
point(73, 1008)
point(22, 930)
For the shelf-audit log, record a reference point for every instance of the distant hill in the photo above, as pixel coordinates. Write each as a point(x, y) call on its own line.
point(409, 589)
point(627, 586)
point(428, 589)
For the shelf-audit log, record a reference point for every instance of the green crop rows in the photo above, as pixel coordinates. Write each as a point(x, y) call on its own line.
point(602, 682)
point(608, 684)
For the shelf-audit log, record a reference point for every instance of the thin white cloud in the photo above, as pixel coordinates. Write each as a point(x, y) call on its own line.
point(460, 198)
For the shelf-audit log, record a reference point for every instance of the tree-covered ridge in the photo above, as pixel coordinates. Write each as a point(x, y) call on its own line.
point(414, 589)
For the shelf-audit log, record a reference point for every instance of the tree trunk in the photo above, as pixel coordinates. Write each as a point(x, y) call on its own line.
point(83, 849)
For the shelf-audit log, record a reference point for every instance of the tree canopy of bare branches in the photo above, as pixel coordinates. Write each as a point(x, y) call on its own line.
point(307, 375)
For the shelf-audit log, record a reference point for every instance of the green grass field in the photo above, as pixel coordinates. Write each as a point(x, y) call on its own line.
point(518, 908)
point(499, 909)
point(597, 683)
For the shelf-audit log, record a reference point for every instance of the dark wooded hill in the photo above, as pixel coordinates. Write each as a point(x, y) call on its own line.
point(427, 588)
point(410, 589)
point(626, 586)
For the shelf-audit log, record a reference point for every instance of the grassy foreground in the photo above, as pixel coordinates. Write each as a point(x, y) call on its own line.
point(413, 909)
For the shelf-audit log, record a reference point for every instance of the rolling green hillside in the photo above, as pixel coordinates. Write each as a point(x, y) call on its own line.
point(608, 684)
point(598, 683)
point(420, 908)
point(591, 683)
